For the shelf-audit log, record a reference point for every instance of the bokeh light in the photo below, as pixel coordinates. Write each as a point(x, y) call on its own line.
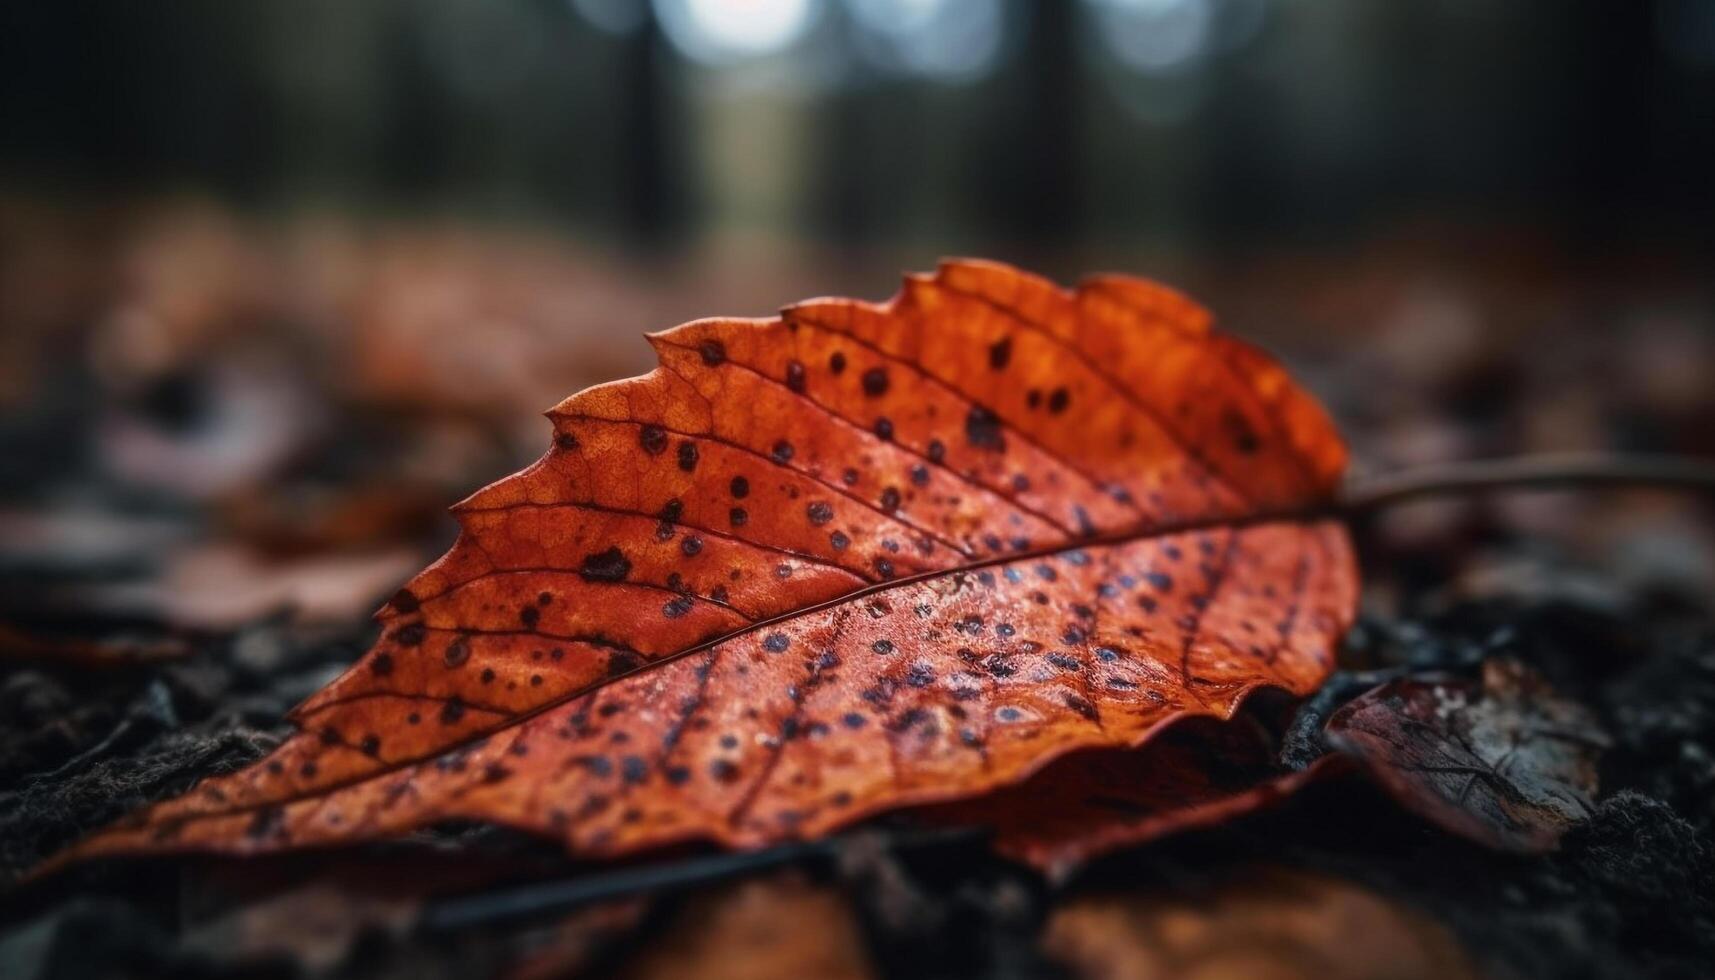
point(723, 32)
point(946, 40)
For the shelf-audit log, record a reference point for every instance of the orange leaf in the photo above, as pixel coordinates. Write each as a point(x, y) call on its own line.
point(812, 567)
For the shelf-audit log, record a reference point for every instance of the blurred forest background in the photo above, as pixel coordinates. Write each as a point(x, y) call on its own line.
point(279, 280)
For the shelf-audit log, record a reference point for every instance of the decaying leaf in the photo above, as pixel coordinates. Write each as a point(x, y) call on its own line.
point(846, 559)
point(1275, 924)
point(1199, 772)
point(775, 928)
point(1507, 763)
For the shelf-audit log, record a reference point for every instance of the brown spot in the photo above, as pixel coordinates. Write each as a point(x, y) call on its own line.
point(795, 376)
point(713, 352)
point(410, 635)
point(982, 429)
point(605, 566)
point(687, 455)
point(1058, 400)
point(382, 665)
point(451, 712)
point(819, 512)
point(1000, 353)
point(405, 601)
point(653, 439)
point(457, 653)
point(267, 822)
point(875, 382)
point(740, 487)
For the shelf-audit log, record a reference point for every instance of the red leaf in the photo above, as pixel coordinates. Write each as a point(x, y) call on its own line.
point(1507, 763)
point(850, 558)
point(1198, 773)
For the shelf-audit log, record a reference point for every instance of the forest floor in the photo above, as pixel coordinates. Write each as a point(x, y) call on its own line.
point(190, 547)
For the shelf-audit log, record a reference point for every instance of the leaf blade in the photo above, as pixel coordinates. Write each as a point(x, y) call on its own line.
point(738, 497)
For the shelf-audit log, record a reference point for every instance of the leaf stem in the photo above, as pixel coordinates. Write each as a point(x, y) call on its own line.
point(1543, 472)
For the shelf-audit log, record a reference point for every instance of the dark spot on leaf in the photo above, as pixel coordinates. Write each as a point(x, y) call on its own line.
point(890, 499)
point(653, 439)
point(1082, 707)
point(530, 616)
point(634, 768)
point(266, 823)
point(605, 566)
point(382, 665)
point(687, 455)
point(739, 487)
point(776, 642)
point(566, 441)
point(920, 475)
point(737, 516)
point(937, 451)
point(691, 545)
point(371, 745)
point(410, 635)
point(457, 653)
point(1000, 352)
point(820, 512)
point(1240, 432)
point(875, 382)
point(839, 540)
point(1161, 581)
point(451, 712)
point(884, 428)
point(674, 608)
point(837, 362)
point(795, 376)
point(405, 601)
point(982, 429)
point(882, 646)
point(1058, 400)
point(782, 452)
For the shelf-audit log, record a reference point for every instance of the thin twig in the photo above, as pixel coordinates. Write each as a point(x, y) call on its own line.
point(535, 898)
point(1544, 472)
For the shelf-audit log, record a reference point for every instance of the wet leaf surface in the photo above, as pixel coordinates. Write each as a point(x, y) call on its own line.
point(854, 557)
point(1506, 762)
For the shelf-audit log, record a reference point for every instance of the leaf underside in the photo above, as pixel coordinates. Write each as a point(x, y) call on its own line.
point(1507, 762)
point(850, 558)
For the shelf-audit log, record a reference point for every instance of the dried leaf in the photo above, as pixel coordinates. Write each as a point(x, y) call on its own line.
point(1507, 763)
point(1200, 772)
point(847, 559)
point(777, 927)
point(1275, 924)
